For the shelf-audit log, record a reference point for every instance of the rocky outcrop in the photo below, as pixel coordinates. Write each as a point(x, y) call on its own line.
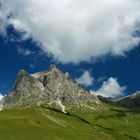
point(51, 87)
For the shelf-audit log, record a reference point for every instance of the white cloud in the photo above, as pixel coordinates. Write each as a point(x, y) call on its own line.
point(85, 79)
point(25, 52)
point(110, 88)
point(76, 30)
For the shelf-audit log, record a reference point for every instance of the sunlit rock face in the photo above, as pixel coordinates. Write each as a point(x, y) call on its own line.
point(51, 87)
point(1, 103)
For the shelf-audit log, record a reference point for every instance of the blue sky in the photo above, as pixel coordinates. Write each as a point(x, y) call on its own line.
point(104, 60)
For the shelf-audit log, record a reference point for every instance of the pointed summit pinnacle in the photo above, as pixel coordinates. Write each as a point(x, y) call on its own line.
point(22, 73)
point(53, 67)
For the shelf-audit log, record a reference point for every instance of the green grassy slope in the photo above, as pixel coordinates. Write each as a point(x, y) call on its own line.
point(41, 123)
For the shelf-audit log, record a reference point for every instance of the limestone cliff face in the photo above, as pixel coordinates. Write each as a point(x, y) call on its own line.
point(50, 87)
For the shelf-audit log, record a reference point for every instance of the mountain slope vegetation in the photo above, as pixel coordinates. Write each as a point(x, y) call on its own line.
point(46, 123)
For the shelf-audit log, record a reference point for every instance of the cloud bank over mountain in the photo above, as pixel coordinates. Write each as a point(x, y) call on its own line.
point(75, 30)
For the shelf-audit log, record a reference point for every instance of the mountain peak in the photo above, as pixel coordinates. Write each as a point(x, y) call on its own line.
point(22, 72)
point(53, 66)
point(51, 87)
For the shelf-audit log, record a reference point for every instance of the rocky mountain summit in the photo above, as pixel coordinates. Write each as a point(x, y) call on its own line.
point(59, 91)
point(51, 87)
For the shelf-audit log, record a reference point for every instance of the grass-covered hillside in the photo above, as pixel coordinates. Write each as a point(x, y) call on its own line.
point(42, 123)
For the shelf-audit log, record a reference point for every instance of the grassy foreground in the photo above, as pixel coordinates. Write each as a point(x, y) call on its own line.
point(40, 123)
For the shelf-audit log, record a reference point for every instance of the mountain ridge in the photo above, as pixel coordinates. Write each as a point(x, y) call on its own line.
point(131, 101)
point(53, 87)
point(58, 90)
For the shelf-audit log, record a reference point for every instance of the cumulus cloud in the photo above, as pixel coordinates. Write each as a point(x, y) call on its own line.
point(110, 88)
point(76, 30)
point(85, 79)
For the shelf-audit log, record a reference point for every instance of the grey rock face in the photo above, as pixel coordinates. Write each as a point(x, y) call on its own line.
point(26, 91)
point(1, 103)
point(50, 87)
